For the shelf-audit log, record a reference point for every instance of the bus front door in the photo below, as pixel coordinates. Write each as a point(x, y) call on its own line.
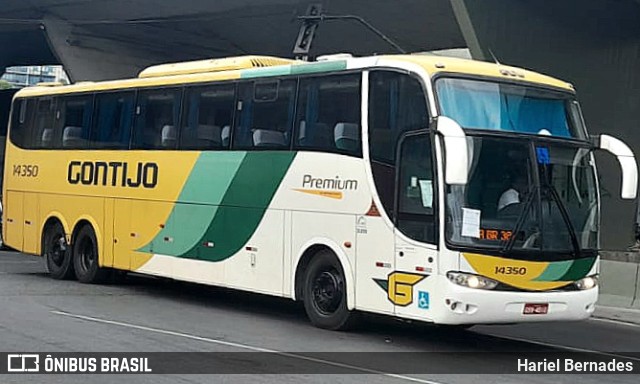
point(415, 229)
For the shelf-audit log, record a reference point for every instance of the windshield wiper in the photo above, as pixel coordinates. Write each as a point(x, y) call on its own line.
point(527, 204)
point(565, 217)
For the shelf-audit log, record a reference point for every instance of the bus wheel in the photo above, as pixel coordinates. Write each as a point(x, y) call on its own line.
point(56, 252)
point(85, 257)
point(325, 294)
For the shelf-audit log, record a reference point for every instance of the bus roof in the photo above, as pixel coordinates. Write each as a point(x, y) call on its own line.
point(265, 66)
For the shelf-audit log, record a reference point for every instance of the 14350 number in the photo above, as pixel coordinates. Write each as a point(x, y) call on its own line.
point(23, 170)
point(511, 271)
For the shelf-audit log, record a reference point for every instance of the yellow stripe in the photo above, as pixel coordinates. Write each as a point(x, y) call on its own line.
point(330, 194)
point(516, 273)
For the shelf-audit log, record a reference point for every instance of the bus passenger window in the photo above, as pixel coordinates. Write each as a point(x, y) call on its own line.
point(42, 135)
point(157, 118)
point(208, 111)
point(21, 120)
point(266, 112)
point(329, 114)
point(74, 121)
point(397, 104)
point(112, 121)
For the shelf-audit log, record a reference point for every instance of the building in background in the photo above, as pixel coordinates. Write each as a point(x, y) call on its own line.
point(24, 76)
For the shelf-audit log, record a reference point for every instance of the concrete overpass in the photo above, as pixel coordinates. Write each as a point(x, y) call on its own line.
point(594, 44)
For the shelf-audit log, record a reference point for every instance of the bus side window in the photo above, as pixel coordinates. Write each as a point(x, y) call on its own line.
point(112, 120)
point(397, 104)
point(416, 193)
point(328, 116)
point(266, 113)
point(207, 115)
point(74, 121)
point(157, 119)
point(23, 111)
point(42, 131)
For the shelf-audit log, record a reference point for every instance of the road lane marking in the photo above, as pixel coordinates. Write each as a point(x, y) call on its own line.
point(243, 346)
point(616, 322)
point(18, 262)
point(565, 347)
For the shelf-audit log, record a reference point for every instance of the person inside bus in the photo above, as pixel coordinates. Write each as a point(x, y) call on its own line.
point(515, 194)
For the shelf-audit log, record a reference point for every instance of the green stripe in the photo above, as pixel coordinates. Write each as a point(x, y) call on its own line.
point(579, 269)
point(297, 69)
point(211, 176)
point(243, 206)
point(223, 202)
point(554, 271)
point(325, 66)
point(265, 72)
point(197, 204)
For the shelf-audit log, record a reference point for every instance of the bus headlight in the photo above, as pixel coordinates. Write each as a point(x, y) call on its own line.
point(471, 281)
point(587, 283)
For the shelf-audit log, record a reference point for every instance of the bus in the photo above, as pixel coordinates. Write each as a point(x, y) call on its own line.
point(416, 186)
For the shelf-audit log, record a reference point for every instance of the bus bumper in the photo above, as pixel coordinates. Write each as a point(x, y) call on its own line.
point(462, 305)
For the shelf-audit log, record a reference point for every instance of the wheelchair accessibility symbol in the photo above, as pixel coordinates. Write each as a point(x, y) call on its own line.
point(423, 300)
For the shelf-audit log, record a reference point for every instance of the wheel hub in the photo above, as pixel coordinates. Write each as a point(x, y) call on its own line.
point(327, 291)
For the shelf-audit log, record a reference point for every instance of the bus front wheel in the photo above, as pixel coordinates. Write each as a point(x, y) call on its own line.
point(325, 294)
point(85, 258)
point(56, 252)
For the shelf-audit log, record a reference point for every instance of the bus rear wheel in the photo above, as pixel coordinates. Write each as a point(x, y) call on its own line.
point(325, 294)
point(85, 258)
point(56, 252)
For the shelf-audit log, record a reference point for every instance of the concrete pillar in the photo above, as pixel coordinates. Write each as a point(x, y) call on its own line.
point(468, 31)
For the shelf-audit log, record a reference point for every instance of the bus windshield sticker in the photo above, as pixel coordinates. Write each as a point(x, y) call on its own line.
point(426, 189)
point(471, 222)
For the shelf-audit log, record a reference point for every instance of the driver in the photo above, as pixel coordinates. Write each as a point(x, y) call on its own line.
point(515, 194)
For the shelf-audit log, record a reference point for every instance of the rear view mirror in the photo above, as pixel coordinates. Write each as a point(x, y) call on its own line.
point(455, 148)
point(627, 162)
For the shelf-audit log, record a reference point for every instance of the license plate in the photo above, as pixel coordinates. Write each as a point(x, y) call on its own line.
point(536, 309)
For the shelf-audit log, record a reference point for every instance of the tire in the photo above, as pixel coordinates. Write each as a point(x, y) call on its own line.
point(325, 294)
point(85, 258)
point(56, 252)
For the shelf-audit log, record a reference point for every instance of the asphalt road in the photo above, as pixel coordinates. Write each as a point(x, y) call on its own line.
point(38, 314)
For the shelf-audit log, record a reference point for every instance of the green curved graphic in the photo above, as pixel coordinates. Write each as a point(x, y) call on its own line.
point(221, 204)
point(554, 271)
point(197, 204)
point(570, 270)
point(579, 269)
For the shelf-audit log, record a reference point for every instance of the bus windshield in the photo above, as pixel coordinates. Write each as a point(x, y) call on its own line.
point(496, 106)
point(525, 195)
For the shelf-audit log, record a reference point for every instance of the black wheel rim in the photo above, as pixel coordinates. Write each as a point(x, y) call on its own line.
point(57, 250)
point(327, 290)
point(86, 254)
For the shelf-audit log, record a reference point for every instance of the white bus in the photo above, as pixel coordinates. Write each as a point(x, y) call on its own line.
point(421, 187)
